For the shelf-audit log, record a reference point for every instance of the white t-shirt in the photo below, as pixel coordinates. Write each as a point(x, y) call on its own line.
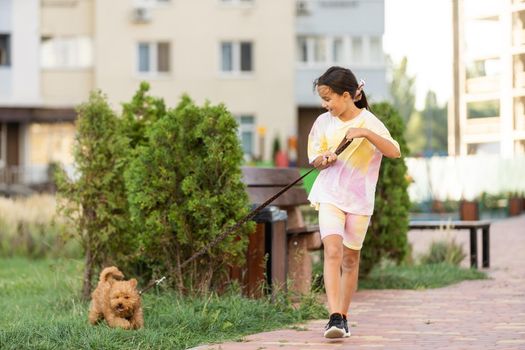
point(350, 182)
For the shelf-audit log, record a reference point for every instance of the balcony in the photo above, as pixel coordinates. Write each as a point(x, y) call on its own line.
point(483, 84)
point(482, 129)
point(519, 80)
point(519, 113)
point(518, 5)
point(484, 10)
point(518, 37)
point(67, 18)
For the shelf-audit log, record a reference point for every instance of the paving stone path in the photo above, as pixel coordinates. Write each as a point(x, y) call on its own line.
point(487, 314)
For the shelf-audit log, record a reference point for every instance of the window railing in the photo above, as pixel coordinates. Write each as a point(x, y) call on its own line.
point(23, 175)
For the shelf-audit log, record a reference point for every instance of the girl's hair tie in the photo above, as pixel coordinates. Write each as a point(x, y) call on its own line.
point(359, 90)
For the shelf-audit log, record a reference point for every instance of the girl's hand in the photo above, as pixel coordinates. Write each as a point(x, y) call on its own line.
point(325, 160)
point(353, 133)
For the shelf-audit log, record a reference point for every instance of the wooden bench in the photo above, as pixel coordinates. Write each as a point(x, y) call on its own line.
point(472, 226)
point(263, 183)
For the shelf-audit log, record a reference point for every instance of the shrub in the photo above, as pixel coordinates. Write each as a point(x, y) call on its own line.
point(387, 233)
point(444, 252)
point(184, 189)
point(139, 115)
point(96, 201)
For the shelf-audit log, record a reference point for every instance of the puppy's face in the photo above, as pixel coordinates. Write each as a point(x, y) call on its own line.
point(124, 298)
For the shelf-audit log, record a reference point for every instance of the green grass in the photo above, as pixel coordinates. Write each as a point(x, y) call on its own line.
point(418, 277)
point(41, 310)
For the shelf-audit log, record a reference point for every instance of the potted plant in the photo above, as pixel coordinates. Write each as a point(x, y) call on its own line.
point(468, 209)
point(515, 204)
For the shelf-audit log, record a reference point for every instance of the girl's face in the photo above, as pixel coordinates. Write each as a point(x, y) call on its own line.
point(336, 104)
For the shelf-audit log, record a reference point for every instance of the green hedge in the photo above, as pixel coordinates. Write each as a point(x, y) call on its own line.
point(387, 233)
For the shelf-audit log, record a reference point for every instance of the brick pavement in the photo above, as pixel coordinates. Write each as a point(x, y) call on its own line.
point(487, 314)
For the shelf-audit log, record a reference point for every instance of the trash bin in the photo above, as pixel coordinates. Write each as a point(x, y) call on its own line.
point(266, 258)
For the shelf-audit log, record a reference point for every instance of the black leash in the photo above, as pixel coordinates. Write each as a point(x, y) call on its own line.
point(342, 146)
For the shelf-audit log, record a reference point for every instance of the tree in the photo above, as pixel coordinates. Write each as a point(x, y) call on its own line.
point(402, 90)
point(387, 233)
point(434, 126)
point(415, 135)
point(96, 201)
point(427, 130)
point(139, 115)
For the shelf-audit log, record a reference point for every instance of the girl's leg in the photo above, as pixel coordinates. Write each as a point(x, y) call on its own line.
point(350, 269)
point(354, 236)
point(333, 256)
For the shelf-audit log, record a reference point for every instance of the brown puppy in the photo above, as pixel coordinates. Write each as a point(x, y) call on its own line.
point(116, 301)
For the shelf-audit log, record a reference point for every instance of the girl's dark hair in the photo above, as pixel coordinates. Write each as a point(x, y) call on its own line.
point(341, 79)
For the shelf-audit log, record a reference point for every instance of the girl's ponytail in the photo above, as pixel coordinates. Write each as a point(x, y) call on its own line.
point(362, 103)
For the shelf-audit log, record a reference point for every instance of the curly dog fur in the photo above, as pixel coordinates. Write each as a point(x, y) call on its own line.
point(117, 301)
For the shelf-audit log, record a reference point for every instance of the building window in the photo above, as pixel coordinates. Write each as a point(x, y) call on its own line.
point(320, 50)
point(5, 50)
point(483, 109)
point(483, 148)
point(376, 49)
point(246, 134)
point(51, 142)
point(490, 67)
point(357, 50)
point(236, 57)
point(73, 52)
point(153, 57)
point(302, 49)
point(338, 50)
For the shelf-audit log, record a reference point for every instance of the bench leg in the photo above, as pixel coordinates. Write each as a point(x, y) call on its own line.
point(486, 247)
point(473, 248)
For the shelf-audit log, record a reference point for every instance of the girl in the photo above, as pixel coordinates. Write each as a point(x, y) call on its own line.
point(344, 191)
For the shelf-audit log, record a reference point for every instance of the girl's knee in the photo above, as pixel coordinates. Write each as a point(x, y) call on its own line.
point(333, 253)
point(350, 260)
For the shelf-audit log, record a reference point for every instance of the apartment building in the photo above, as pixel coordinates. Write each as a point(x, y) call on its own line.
point(54, 52)
point(487, 115)
point(23, 111)
point(239, 52)
point(346, 33)
point(259, 57)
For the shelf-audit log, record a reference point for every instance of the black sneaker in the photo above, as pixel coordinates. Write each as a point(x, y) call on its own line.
point(345, 326)
point(335, 327)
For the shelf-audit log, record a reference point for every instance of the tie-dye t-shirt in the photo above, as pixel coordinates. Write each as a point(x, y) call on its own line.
point(350, 182)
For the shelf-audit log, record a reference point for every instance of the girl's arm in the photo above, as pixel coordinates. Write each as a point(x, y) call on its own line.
point(384, 145)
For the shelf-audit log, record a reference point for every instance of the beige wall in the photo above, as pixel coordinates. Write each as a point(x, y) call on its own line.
point(195, 30)
point(66, 88)
point(67, 17)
